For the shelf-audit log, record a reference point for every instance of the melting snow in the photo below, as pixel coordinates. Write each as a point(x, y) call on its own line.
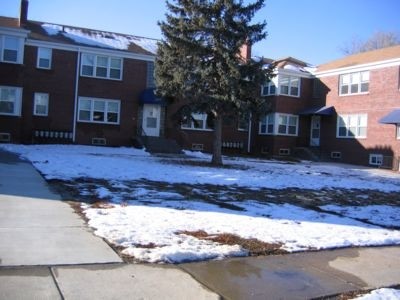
point(101, 38)
point(156, 221)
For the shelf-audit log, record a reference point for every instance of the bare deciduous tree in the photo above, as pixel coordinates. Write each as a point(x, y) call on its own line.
point(378, 40)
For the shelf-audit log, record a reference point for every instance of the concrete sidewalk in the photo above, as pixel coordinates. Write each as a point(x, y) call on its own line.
point(36, 228)
point(301, 275)
point(47, 252)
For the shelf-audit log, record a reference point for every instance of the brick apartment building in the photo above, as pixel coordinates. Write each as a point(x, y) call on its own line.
point(66, 84)
point(364, 90)
point(63, 84)
point(347, 110)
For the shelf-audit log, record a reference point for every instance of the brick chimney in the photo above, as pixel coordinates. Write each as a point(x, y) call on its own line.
point(245, 51)
point(23, 17)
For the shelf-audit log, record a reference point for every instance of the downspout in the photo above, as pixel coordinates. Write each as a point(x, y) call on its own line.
point(249, 135)
point(78, 62)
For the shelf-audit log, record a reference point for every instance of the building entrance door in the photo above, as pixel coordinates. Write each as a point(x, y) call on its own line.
point(315, 131)
point(151, 119)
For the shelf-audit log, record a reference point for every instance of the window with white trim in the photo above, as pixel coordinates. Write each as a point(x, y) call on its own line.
point(375, 159)
point(268, 89)
point(287, 124)
point(289, 85)
point(352, 126)
point(11, 49)
point(279, 124)
point(354, 83)
point(44, 58)
point(41, 104)
point(398, 131)
point(197, 122)
point(267, 124)
point(97, 110)
point(101, 66)
point(10, 100)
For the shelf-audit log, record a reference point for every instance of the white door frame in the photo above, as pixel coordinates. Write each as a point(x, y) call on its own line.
point(151, 119)
point(315, 134)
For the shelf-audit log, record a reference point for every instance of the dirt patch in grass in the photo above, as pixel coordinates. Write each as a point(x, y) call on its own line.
point(102, 205)
point(254, 246)
point(203, 163)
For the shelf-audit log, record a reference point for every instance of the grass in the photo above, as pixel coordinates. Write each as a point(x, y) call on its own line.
point(254, 246)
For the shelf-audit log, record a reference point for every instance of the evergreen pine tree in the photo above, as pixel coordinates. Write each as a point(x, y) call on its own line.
point(199, 62)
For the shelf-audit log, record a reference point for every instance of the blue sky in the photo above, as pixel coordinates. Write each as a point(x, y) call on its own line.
point(310, 30)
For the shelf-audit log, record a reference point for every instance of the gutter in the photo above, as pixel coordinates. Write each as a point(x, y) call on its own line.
point(78, 62)
point(249, 135)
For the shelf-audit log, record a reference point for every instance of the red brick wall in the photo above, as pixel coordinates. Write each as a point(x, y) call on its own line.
point(11, 75)
point(58, 82)
point(127, 91)
point(383, 97)
point(187, 137)
point(288, 105)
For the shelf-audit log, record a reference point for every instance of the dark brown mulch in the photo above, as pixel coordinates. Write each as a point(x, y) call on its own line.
point(102, 205)
point(254, 246)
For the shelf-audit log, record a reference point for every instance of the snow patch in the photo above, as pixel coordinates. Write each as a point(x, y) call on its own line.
point(101, 38)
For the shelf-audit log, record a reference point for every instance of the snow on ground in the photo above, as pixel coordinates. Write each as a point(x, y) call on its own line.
point(384, 215)
point(148, 225)
point(157, 223)
point(381, 294)
point(69, 162)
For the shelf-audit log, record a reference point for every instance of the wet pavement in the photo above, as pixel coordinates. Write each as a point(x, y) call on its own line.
point(301, 275)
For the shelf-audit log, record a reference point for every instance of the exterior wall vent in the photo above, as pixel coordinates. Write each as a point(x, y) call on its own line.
point(284, 151)
point(336, 155)
point(5, 137)
point(99, 141)
point(264, 150)
point(197, 147)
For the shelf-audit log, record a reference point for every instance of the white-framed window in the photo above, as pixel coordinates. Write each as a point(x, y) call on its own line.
point(95, 110)
point(10, 100)
point(197, 122)
point(289, 85)
point(375, 159)
point(398, 131)
point(354, 83)
point(352, 126)
point(287, 124)
point(268, 89)
point(41, 104)
point(267, 124)
point(279, 124)
point(44, 58)
point(11, 49)
point(101, 66)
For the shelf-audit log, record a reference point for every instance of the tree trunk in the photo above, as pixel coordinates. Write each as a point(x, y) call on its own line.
point(217, 143)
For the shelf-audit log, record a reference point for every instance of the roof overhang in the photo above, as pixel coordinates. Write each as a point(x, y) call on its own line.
point(148, 96)
point(319, 111)
point(391, 118)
